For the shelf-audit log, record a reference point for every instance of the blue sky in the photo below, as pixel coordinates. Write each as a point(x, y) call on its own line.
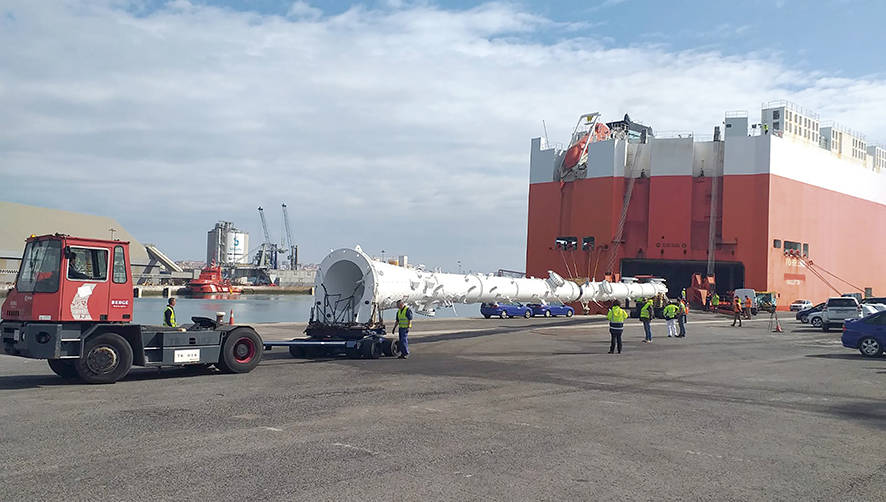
point(839, 37)
point(395, 125)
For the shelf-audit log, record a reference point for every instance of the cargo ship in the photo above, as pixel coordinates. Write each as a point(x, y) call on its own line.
point(789, 204)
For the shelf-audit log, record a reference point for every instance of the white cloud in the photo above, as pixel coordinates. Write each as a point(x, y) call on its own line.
point(301, 9)
point(405, 130)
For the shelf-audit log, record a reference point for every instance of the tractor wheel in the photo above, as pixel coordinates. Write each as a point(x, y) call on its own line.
point(241, 351)
point(65, 368)
point(106, 358)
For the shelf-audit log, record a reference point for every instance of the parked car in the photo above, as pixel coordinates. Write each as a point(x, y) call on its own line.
point(799, 305)
point(505, 310)
point(816, 319)
point(867, 335)
point(803, 315)
point(551, 310)
point(838, 309)
point(869, 308)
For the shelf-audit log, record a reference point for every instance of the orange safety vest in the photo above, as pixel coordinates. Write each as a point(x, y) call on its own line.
point(736, 305)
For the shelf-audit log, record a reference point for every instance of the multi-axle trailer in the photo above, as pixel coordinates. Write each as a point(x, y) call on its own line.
point(72, 305)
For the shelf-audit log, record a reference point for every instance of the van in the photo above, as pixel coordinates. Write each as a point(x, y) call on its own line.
point(837, 309)
point(745, 293)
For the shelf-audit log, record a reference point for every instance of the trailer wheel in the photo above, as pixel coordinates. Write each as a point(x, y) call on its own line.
point(390, 347)
point(106, 358)
point(570, 313)
point(64, 368)
point(296, 351)
point(370, 349)
point(503, 315)
point(241, 351)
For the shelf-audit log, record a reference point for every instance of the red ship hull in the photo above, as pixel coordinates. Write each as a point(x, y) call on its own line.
point(761, 207)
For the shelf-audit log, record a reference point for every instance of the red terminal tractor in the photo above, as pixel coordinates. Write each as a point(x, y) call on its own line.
point(72, 305)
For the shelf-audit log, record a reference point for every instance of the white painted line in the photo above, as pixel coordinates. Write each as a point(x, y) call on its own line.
point(272, 429)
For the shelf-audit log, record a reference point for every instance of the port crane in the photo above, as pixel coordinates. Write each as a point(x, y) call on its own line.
point(267, 253)
point(292, 249)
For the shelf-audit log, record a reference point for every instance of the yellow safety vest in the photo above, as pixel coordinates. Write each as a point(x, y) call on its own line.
point(616, 314)
point(645, 311)
point(171, 311)
point(402, 320)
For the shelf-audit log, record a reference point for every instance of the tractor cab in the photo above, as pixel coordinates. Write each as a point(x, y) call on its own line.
point(63, 278)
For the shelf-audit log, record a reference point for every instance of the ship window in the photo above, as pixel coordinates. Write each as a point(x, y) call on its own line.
point(791, 246)
point(119, 265)
point(566, 243)
point(587, 244)
point(776, 243)
point(805, 249)
point(775, 114)
point(776, 125)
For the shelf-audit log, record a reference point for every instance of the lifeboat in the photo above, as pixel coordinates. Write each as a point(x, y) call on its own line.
point(210, 282)
point(574, 153)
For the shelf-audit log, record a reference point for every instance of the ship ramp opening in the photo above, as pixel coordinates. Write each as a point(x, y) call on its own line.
point(678, 273)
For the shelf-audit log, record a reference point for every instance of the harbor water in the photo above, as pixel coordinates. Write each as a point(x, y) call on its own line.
point(253, 309)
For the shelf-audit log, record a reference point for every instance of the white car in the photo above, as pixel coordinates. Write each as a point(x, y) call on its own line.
point(871, 308)
point(837, 310)
point(799, 305)
point(815, 319)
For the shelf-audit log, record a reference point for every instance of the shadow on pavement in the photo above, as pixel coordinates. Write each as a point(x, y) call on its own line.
point(832, 355)
point(871, 413)
point(135, 375)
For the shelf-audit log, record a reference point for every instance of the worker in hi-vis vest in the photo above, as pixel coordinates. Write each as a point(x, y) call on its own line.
point(169, 314)
point(715, 302)
point(736, 311)
point(616, 318)
point(404, 322)
point(646, 312)
point(670, 314)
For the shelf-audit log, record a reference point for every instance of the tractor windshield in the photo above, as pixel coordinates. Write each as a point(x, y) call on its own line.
point(39, 270)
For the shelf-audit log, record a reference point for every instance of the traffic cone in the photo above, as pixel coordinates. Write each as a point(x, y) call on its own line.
point(231, 319)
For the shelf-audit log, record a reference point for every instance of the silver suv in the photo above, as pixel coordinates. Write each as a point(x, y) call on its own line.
point(837, 310)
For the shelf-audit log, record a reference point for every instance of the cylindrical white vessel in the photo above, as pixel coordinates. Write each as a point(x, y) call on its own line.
point(351, 286)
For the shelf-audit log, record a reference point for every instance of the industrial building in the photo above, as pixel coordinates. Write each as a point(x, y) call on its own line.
point(18, 221)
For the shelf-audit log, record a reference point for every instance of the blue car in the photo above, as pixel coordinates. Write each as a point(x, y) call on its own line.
point(551, 310)
point(505, 310)
point(867, 334)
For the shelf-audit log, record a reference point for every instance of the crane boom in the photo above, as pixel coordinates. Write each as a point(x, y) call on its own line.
point(264, 225)
point(292, 248)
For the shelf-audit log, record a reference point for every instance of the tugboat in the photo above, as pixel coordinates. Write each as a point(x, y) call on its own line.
point(211, 282)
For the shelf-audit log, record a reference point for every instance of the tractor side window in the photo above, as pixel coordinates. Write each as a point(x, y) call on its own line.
point(119, 265)
point(39, 270)
point(86, 264)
